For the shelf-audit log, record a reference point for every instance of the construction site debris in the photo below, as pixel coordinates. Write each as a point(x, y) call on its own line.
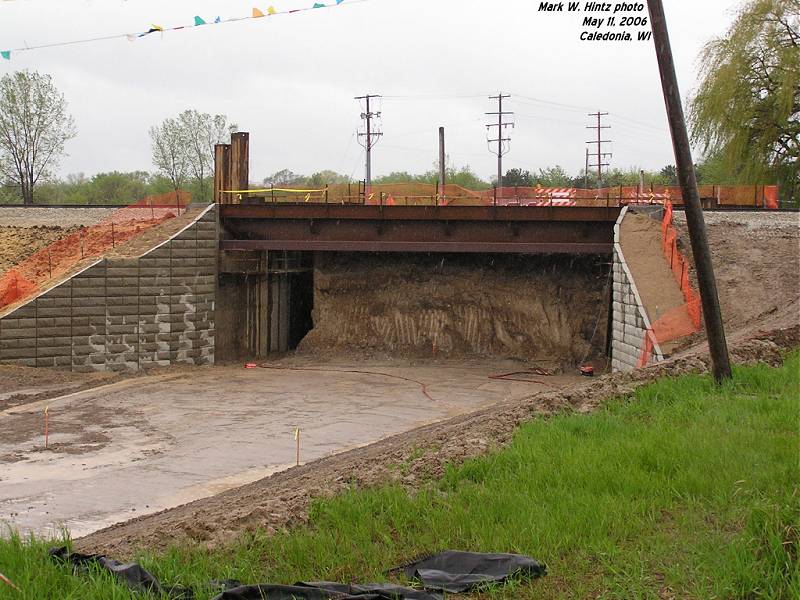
point(455, 572)
point(449, 571)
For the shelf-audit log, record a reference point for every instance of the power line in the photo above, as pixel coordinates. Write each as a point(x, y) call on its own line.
point(371, 137)
point(599, 153)
point(503, 143)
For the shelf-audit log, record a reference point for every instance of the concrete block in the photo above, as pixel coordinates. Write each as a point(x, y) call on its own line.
point(51, 302)
point(55, 332)
point(122, 282)
point(9, 333)
point(160, 252)
point(10, 354)
point(26, 311)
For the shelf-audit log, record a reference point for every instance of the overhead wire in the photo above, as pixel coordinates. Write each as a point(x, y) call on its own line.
point(158, 29)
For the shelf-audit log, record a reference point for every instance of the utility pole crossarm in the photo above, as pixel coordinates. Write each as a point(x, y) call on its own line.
point(599, 154)
point(370, 139)
point(501, 127)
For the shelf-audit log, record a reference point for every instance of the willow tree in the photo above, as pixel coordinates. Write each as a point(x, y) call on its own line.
point(746, 110)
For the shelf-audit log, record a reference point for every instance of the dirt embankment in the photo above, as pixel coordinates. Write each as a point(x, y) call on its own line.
point(527, 307)
point(640, 238)
point(756, 259)
point(411, 459)
point(18, 243)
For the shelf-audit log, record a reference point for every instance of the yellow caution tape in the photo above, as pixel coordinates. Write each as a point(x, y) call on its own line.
point(291, 191)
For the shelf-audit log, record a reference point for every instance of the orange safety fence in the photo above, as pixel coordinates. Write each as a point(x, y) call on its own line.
point(32, 274)
point(685, 319)
point(418, 193)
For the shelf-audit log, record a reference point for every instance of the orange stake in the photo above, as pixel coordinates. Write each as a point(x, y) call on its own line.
point(297, 440)
point(46, 425)
point(8, 582)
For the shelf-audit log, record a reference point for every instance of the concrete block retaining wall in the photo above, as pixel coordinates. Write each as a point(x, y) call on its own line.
point(629, 319)
point(125, 313)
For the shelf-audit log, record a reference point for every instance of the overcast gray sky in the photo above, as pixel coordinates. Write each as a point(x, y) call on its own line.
point(290, 79)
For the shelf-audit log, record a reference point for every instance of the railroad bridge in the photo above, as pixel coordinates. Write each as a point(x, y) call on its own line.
point(273, 244)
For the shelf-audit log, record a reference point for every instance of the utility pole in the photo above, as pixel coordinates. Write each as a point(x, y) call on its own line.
point(370, 139)
point(715, 330)
point(599, 153)
point(501, 127)
point(442, 168)
point(586, 171)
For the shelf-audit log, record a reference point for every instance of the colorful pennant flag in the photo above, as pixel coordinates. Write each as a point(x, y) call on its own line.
point(153, 29)
point(198, 21)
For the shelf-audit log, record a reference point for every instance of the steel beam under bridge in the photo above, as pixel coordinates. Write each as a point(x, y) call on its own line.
point(367, 228)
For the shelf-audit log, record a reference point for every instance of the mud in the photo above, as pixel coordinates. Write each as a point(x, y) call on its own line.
point(410, 459)
point(23, 385)
point(524, 307)
point(153, 442)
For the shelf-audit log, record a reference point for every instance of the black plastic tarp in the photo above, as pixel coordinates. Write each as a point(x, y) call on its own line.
point(453, 571)
point(324, 590)
point(449, 571)
point(131, 574)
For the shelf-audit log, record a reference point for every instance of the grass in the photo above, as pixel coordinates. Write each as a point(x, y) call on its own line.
point(683, 490)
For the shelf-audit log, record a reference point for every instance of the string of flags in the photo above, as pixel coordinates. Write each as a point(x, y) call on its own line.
point(199, 21)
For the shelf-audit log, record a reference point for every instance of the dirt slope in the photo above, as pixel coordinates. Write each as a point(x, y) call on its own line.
point(18, 243)
point(756, 259)
point(640, 238)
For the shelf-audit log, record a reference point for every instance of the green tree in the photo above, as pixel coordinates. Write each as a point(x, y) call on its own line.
point(517, 177)
point(284, 178)
point(117, 188)
point(553, 177)
point(325, 177)
point(746, 111)
point(169, 153)
point(669, 174)
point(199, 133)
point(34, 127)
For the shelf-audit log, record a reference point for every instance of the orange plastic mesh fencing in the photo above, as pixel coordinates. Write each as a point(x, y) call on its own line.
point(31, 275)
point(685, 319)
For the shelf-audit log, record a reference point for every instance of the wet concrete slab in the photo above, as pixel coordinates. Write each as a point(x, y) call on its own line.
point(144, 445)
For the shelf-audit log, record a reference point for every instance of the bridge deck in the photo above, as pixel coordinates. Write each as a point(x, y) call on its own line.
point(366, 228)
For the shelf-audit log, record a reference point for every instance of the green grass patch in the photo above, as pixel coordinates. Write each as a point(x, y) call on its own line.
point(684, 489)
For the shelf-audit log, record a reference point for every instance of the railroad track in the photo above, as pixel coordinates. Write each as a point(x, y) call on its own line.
point(111, 206)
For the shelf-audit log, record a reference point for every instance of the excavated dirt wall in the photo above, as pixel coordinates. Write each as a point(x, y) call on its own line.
point(542, 308)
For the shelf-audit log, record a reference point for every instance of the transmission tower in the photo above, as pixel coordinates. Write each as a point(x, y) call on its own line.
point(503, 143)
point(599, 154)
point(370, 137)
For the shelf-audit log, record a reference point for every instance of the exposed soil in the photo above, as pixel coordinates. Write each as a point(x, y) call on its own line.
point(22, 385)
point(410, 459)
point(539, 308)
point(13, 240)
point(640, 238)
point(18, 243)
point(756, 259)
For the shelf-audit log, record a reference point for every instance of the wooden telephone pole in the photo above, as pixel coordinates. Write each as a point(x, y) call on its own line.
point(715, 329)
